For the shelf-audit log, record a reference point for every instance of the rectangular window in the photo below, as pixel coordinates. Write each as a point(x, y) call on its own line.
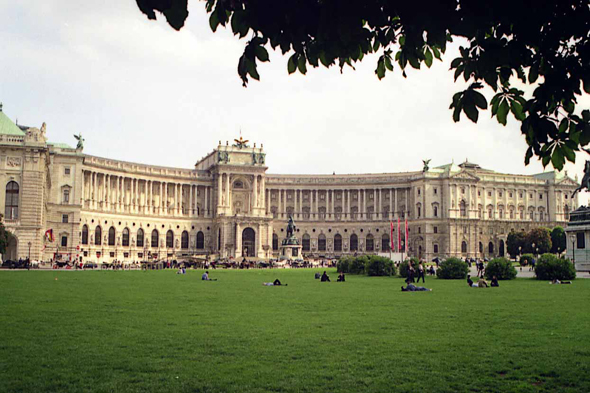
point(500, 194)
point(581, 240)
point(520, 195)
point(64, 241)
point(85, 253)
point(66, 198)
point(67, 171)
point(435, 191)
point(510, 195)
point(65, 218)
point(540, 196)
point(140, 254)
point(435, 229)
point(478, 193)
point(489, 193)
point(112, 254)
point(418, 191)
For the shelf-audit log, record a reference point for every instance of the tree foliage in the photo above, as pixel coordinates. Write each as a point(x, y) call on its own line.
point(4, 237)
point(538, 241)
point(501, 268)
point(558, 240)
point(544, 45)
point(550, 267)
point(515, 243)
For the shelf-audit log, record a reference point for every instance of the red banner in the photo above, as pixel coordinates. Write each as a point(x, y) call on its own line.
point(406, 242)
point(399, 237)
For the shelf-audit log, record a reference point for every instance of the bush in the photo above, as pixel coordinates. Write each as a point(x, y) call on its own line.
point(501, 268)
point(526, 259)
point(343, 265)
point(357, 265)
point(549, 267)
point(380, 266)
point(403, 267)
point(452, 269)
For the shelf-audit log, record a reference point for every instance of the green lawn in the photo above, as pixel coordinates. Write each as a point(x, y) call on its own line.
point(158, 331)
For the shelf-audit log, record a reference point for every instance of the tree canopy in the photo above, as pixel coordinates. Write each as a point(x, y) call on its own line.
point(558, 240)
point(544, 44)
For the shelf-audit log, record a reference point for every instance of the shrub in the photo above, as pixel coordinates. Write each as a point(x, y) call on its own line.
point(526, 259)
point(357, 265)
point(549, 267)
point(403, 267)
point(452, 268)
point(501, 268)
point(380, 266)
point(343, 265)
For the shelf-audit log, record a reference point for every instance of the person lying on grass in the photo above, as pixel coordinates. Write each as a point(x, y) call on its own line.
point(275, 283)
point(412, 288)
point(556, 281)
point(205, 277)
point(480, 284)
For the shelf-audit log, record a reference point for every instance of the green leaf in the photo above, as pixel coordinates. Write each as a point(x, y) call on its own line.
point(563, 125)
point(428, 57)
point(301, 64)
point(502, 112)
point(471, 111)
point(480, 100)
point(457, 113)
point(388, 63)
point(380, 71)
point(569, 106)
point(261, 53)
point(292, 63)
point(252, 69)
point(557, 158)
point(516, 109)
point(569, 153)
point(214, 21)
point(436, 52)
point(586, 83)
point(546, 160)
point(456, 62)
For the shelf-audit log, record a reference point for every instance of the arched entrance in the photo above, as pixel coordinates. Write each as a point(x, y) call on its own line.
point(248, 242)
point(501, 249)
point(11, 249)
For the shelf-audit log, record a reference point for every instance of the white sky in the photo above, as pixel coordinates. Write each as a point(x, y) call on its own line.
point(139, 91)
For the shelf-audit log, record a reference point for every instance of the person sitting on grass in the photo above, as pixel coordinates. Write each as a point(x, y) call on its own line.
point(325, 277)
point(482, 283)
point(469, 281)
point(494, 282)
point(412, 288)
point(341, 277)
point(205, 277)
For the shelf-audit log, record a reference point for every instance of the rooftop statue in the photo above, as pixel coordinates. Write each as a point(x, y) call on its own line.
point(80, 140)
point(426, 162)
point(241, 143)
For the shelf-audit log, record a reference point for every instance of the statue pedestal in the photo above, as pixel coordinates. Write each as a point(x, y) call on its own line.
point(291, 249)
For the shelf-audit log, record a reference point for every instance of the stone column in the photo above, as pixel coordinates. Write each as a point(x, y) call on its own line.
point(206, 203)
point(395, 212)
point(348, 204)
point(191, 211)
point(227, 193)
point(263, 191)
point(238, 244)
point(255, 192)
point(180, 198)
point(407, 201)
point(165, 198)
point(390, 204)
point(219, 188)
point(379, 207)
point(364, 204)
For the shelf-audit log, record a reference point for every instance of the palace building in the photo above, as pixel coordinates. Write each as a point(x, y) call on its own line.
point(60, 203)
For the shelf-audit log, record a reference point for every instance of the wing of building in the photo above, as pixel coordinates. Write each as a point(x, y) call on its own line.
point(63, 204)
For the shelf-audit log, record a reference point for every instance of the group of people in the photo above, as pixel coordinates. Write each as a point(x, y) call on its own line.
point(482, 283)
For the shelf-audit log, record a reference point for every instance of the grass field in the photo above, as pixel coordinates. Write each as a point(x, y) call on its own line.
point(158, 331)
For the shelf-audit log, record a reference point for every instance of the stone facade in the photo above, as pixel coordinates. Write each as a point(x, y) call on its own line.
point(102, 209)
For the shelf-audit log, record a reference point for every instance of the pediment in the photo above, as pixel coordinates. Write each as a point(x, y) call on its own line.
point(465, 176)
point(566, 181)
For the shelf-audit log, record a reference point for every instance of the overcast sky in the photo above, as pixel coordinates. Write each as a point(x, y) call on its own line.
point(139, 91)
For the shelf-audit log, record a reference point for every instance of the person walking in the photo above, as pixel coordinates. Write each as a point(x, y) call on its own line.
point(411, 271)
point(420, 272)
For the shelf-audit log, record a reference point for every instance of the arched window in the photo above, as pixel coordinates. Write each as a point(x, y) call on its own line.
point(354, 242)
point(111, 236)
point(435, 248)
point(275, 242)
point(125, 237)
point(501, 248)
point(11, 210)
point(435, 210)
point(140, 237)
point(337, 242)
point(322, 242)
point(463, 209)
point(370, 243)
point(305, 242)
point(385, 243)
point(480, 247)
point(491, 248)
point(463, 246)
point(184, 240)
point(170, 239)
point(200, 240)
point(155, 238)
point(85, 234)
point(419, 209)
point(97, 236)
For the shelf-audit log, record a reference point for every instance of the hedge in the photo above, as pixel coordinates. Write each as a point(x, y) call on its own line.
point(549, 267)
point(501, 268)
point(452, 269)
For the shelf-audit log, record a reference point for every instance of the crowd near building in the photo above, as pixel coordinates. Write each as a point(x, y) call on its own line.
point(61, 204)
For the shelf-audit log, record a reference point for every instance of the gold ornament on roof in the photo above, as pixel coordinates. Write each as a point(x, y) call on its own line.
point(240, 143)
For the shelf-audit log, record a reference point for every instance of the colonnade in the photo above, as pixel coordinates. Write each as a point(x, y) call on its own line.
point(136, 195)
point(339, 204)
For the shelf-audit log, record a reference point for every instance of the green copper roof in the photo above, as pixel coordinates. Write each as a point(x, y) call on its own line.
point(60, 145)
point(7, 127)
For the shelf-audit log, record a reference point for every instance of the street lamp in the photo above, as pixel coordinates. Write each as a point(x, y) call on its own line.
point(29, 258)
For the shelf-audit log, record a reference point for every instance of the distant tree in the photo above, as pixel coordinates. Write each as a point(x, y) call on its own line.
point(4, 236)
point(545, 45)
point(541, 238)
point(558, 240)
point(515, 243)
